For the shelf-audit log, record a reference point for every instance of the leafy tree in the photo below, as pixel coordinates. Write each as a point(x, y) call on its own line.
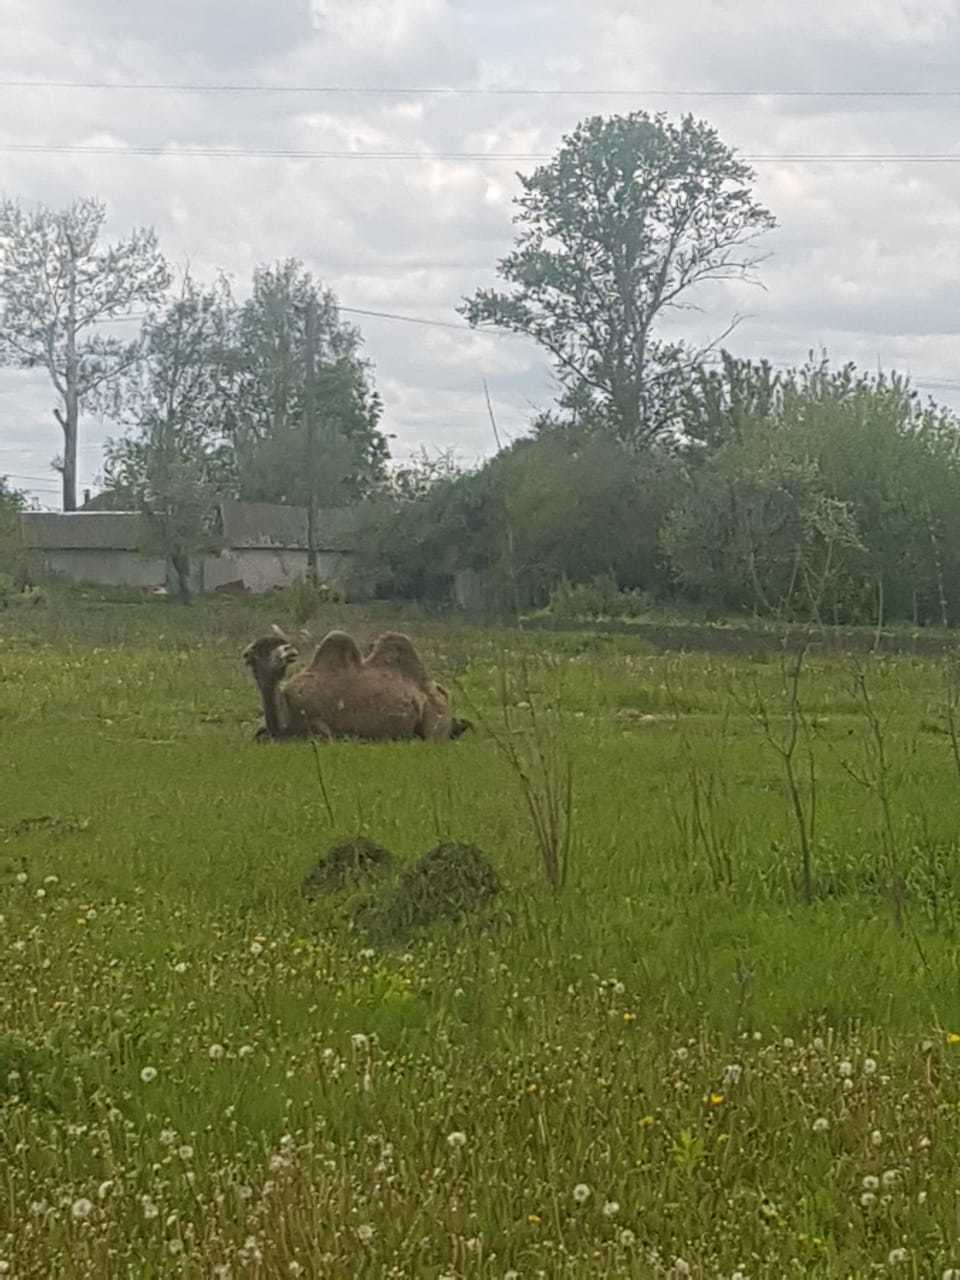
point(819, 485)
point(275, 459)
point(176, 461)
point(630, 216)
point(57, 284)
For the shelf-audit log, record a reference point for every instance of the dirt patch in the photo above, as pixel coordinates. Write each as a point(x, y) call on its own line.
point(750, 640)
point(348, 864)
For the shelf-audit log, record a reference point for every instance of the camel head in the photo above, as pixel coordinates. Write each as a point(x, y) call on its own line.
point(270, 656)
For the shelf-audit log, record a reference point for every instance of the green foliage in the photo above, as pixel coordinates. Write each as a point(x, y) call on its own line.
point(818, 492)
point(272, 460)
point(543, 510)
point(601, 597)
point(304, 599)
point(632, 214)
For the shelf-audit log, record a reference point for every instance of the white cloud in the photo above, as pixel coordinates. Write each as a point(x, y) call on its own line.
point(865, 258)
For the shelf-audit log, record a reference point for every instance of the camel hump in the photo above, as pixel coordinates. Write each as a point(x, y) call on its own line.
point(395, 652)
point(337, 652)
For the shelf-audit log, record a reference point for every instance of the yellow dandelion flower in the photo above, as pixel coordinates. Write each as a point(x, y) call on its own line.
point(629, 1017)
point(953, 1038)
point(646, 1122)
point(534, 1219)
point(717, 1099)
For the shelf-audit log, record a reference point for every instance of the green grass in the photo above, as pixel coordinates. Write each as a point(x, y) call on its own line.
point(199, 1069)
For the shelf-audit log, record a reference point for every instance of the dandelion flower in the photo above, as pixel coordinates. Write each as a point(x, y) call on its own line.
point(534, 1219)
point(732, 1074)
point(364, 1233)
point(256, 948)
point(245, 1051)
point(897, 1257)
point(611, 1209)
point(456, 1139)
point(81, 1209)
point(867, 1198)
point(150, 1210)
point(717, 1099)
point(360, 1041)
point(627, 1238)
point(821, 1124)
point(845, 1068)
point(581, 1193)
point(953, 1037)
point(185, 1152)
point(871, 1182)
point(876, 1138)
point(891, 1177)
point(215, 1052)
point(104, 1189)
point(869, 1066)
point(22, 877)
point(148, 1075)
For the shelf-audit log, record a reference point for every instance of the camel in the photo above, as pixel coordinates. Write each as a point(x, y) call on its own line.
point(385, 696)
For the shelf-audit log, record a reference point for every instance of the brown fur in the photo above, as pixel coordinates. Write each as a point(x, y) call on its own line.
point(387, 695)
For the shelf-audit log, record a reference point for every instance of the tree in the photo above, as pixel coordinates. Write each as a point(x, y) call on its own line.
point(631, 215)
point(277, 458)
point(176, 461)
point(57, 283)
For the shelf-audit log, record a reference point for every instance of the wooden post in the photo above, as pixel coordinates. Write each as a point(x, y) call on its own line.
point(310, 435)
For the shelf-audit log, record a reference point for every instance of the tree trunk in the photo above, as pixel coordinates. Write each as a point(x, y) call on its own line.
point(71, 396)
point(310, 423)
point(181, 566)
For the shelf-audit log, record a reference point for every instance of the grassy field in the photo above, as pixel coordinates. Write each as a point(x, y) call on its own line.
point(675, 1066)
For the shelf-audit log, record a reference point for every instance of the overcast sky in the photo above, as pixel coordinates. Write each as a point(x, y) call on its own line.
point(864, 262)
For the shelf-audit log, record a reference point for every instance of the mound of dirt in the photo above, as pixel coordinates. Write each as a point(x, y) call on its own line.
point(350, 863)
point(445, 884)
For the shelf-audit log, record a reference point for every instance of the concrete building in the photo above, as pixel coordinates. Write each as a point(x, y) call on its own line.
point(264, 546)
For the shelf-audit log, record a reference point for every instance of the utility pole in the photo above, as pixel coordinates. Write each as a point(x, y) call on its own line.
point(310, 435)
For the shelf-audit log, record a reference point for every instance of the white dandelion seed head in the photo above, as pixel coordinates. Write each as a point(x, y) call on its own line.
point(185, 1152)
point(256, 948)
point(732, 1073)
point(22, 877)
point(845, 1068)
point(150, 1210)
point(619, 989)
point(611, 1209)
point(148, 1075)
point(168, 1137)
point(867, 1198)
point(869, 1066)
point(81, 1208)
point(897, 1257)
point(871, 1182)
point(581, 1193)
point(891, 1177)
point(215, 1052)
point(104, 1189)
point(627, 1238)
point(456, 1139)
point(876, 1138)
point(364, 1233)
point(360, 1042)
point(821, 1124)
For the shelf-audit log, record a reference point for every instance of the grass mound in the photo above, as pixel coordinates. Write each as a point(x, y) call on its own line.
point(447, 883)
point(348, 864)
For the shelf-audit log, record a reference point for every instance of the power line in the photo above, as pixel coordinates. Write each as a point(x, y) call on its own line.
point(473, 91)
point(497, 157)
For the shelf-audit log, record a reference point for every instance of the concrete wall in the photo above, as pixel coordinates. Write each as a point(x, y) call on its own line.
point(106, 568)
point(263, 569)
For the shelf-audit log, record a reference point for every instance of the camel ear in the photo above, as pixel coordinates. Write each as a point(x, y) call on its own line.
point(276, 631)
